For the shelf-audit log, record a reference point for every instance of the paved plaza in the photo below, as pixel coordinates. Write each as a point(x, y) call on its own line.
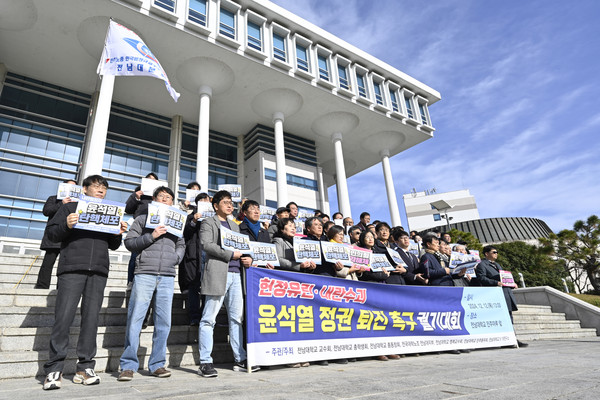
point(560, 369)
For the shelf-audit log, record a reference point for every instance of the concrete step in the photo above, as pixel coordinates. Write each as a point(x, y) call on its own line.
point(557, 334)
point(539, 317)
point(546, 325)
point(23, 364)
point(532, 309)
point(25, 261)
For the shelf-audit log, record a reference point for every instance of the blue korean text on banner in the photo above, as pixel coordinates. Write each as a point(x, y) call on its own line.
point(295, 317)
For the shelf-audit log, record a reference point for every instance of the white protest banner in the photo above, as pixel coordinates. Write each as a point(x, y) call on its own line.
point(455, 259)
point(395, 257)
point(68, 190)
point(264, 253)
point(414, 248)
point(360, 257)
point(507, 279)
point(299, 227)
point(206, 209)
point(380, 262)
point(334, 252)
point(235, 241)
point(339, 222)
point(190, 194)
point(235, 190)
point(171, 217)
point(149, 185)
point(266, 213)
point(125, 53)
point(99, 215)
point(307, 250)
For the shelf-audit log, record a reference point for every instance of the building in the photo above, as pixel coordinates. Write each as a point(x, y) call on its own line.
point(421, 214)
point(268, 101)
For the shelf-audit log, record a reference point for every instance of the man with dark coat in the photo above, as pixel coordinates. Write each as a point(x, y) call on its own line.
point(429, 265)
point(251, 225)
point(51, 248)
point(412, 275)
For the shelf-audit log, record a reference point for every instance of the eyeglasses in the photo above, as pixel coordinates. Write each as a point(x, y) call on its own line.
point(227, 202)
point(164, 197)
point(494, 252)
point(98, 186)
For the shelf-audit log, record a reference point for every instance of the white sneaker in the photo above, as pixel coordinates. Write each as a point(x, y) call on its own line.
point(53, 381)
point(87, 377)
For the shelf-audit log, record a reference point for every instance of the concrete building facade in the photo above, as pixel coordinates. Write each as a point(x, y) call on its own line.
point(421, 214)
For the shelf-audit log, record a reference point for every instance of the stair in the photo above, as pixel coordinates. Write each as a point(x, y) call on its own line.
point(27, 316)
point(534, 322)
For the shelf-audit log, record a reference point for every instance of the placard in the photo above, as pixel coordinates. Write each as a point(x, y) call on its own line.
point(339, 222)
point(68, 190)
point(414, 248)
point(99, 215)
point(235, 241)
point(264, 253)
point(267, 213)
point(334, 252)
point(149, 185)
point(307, 250)
point(380, 262)
point(206, 209)
point(171, 217)
point(360, 257)
point(395, 257)
point(235, 190)
point(191, 194)
point(507, 279)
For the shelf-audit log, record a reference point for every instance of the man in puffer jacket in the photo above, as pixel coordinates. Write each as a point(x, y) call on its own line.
point(159, 254)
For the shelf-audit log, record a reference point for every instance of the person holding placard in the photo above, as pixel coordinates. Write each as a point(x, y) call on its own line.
point(82, 273)
point(282, 212)
point(284, 240)
point(221, 283)
point(367, 241)
point(488, 274)
point(336, 234)
point(251, 225)
point(51, 248)
point(193, 189)
point(159, 252)
point(193, 260)
point(412, 276)
point(429, 265)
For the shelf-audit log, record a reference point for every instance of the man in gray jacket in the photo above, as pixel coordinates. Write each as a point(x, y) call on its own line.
point(221, 282)
point(158, 255)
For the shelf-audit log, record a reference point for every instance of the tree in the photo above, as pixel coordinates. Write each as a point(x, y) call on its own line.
point(580, 250)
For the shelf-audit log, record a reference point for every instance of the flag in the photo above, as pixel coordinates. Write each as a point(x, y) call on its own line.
point(125, 53)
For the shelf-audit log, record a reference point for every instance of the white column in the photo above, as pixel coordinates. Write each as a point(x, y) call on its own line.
point(324, 203)
point(96, 143)
point(340, 172)
point(389, 187)
point(175, 153)
point(203, 134)
point(282, 198)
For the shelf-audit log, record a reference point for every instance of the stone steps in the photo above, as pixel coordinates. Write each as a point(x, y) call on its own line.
point(534, 322)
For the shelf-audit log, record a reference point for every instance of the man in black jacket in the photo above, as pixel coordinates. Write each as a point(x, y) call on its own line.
point(251, 225)
point(52, 248)
point(82, 273)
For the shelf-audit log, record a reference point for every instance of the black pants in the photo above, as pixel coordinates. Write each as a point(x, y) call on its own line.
point(45, 274)
point(71, 288)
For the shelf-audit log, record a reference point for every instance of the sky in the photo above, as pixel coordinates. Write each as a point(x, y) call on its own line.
point(519, 122)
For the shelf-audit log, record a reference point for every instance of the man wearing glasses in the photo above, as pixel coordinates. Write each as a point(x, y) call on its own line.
point(488, 274)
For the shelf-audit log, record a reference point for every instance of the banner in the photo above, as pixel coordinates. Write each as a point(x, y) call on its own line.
point(415, 248)
point(334, 252)
point(267, 213)
point(125, 53)
point(360, 257)
point(235, 241)
point(206, 209)
point(264, 253)
point(149, 185)
point(68, 190)
point(235, 190)
point(99, 215)
point(507, 279)
point(171, 217)
point(191, 194)
point(380, 262)
point(295, 317)
point(307, 250)
point(395, 257)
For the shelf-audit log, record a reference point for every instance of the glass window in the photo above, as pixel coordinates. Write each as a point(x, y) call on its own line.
point(343, 77)
point(254, 36)
point(168, 5)
point(378, 96)
point(279, 47)
point(302, 58)
point(360, 82)
point(409, 108)
point(197, 11)
point(270, 174)
point(323, 68)
point(423, 112)
point(437, 217)
point(394, 100)
point(227, 23)
point(271, 203)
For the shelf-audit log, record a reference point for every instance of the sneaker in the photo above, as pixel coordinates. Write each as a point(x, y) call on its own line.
point(242, 367)
point(161, 372)
point(126, 375)
point(87, 377)
point(207, 371)
point(322, 362)
point(53, 381)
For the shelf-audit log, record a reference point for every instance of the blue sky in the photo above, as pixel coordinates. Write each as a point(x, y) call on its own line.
point(519, 119)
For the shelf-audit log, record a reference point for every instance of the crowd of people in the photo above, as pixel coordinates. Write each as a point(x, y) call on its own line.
point(209, 274)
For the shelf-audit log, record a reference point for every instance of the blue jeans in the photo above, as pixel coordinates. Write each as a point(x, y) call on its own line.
point(234, 302)
point(144, 286)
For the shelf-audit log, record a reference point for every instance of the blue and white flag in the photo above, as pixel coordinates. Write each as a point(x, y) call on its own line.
point(125, 53)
